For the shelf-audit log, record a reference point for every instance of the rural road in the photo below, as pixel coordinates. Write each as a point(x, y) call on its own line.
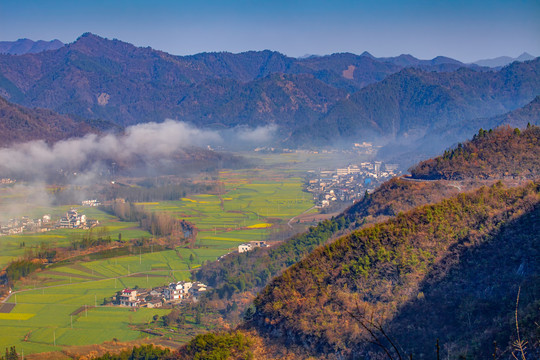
point(454, 183)
point(292, 219)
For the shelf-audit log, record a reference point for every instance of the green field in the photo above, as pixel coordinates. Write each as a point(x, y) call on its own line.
point(267, 197)
point(250, 205)
point(44, 313)
point(11, 245)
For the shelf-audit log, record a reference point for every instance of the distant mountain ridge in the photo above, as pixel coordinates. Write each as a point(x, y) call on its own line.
point(414, 103)
point(518, 118)
point(503, 60)
point(313, 101)
point(529, 114)
point(451, 134)
point(27, 46)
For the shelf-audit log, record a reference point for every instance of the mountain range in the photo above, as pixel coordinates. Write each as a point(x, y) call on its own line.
point(319, 100)
point(415, 103)
point(27, 46)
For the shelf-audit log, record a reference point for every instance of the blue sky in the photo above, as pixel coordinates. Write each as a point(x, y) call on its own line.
point(465, 30)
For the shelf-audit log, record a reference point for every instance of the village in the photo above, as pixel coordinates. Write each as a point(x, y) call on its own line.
point(363, 148)
point(7, 181)
point(71, 220)
point(163, 296)
point(348, 184)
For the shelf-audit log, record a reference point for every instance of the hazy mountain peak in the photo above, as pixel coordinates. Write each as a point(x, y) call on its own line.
point(367, 54)
point(92, 44)
point(88, 38)
point(309, 56)
point(406, 56)
point(404, 60)
point(525, 57)
point(503, 60)
point(27, 46)
point(445, 60)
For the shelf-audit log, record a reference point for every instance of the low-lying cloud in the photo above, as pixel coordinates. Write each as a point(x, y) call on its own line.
point(244, 136)
point(148, 142)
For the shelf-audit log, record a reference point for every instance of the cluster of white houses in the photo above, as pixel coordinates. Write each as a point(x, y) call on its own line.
point(71, 220)
point(349, 183)
point(92, 202)
point(251, 246)
point(159, 296)
point(18, 226)
point(74, 220)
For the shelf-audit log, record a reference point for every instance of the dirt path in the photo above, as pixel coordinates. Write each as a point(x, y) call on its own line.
point(292, 219)
point(453, 183)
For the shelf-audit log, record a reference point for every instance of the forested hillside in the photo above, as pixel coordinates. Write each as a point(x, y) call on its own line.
point(503, 152)
point(252, 270)
point(312, 101)
point(328, 301)
point(18, 124)
point(469, 299)
point(397, 195)
point(415, 103)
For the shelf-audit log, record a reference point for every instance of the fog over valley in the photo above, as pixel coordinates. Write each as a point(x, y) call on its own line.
point(149, 143)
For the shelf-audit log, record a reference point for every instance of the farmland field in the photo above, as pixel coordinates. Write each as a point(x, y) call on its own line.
point(43, 314)
point(11, 246)
point(250, 205)
point(248, 199)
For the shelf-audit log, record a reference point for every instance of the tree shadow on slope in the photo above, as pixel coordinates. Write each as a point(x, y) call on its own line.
point(468, 301)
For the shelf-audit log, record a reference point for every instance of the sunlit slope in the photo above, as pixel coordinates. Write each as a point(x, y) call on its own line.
point(378, 270)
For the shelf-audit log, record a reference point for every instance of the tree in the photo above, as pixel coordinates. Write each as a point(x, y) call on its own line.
point(180, 319)
point(11, 354)
point(378, 336)
point(250, 312)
